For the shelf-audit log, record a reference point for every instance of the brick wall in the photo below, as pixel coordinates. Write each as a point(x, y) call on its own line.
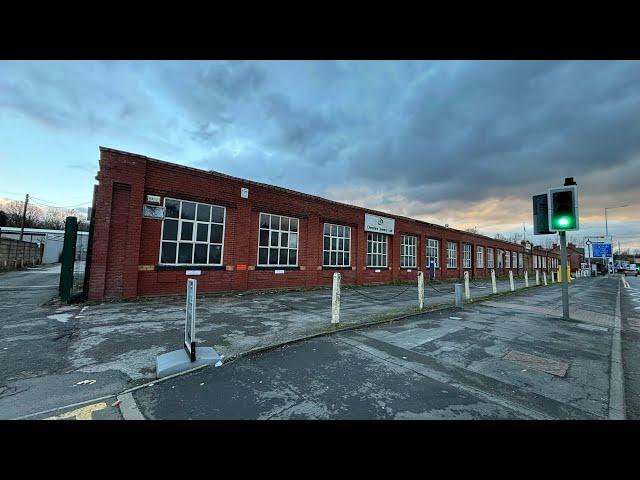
point(17, 254)
point(126, 248)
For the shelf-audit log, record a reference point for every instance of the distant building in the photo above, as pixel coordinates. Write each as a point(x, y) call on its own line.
point(52, 240)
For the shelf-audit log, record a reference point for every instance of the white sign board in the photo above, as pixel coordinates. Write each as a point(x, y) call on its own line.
point(376, 223)
point(190, 320)
point(153, 211)
point(244, 193)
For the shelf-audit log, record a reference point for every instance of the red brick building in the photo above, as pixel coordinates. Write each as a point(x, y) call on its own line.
point(238, 235)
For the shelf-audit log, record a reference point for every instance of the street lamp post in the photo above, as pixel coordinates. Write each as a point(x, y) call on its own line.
point(606, 227)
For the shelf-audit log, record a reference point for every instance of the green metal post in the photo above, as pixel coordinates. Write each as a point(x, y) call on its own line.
point(68, 258)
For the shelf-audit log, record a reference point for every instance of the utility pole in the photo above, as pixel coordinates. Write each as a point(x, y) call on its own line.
point(24, 215)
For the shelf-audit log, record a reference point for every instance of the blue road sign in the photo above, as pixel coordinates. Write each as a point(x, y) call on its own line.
point(601, 250)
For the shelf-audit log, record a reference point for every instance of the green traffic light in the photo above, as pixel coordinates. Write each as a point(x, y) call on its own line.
point(563, 221)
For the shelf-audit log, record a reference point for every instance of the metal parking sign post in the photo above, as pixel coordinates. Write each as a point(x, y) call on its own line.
point(190, 320)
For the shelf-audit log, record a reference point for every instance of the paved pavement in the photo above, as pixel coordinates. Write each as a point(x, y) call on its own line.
point(48, 348)
point(630, 313)
point(509, 358)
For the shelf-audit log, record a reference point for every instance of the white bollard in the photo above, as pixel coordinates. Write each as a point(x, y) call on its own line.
point(553, 277)
point(335, 299)
point(544, 277)
point(420, 290)
point(467, 292)
point(526, 279)
point(511, 280)
point(537, 277)
point(458, 295)
point(493, 281)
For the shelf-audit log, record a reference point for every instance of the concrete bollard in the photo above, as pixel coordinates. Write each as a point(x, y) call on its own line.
point(420, 290)
point(537, 277)
point(493, 281)
point(458, 293)
point(544, 277)
point(553, 279)
point(335, 299)
point(526, 279)
point(511, 286)
point(467, 292)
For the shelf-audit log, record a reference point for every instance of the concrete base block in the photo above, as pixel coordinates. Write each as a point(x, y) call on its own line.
point(178, 361)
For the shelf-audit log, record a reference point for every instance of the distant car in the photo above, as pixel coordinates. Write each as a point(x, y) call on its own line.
point(630, 270)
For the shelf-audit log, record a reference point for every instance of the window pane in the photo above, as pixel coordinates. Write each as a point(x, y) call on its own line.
point(263, 256)
point(340, 231)
point(204, 212)
point(273, 256)
point(284, 256)
point(327, 228)
point(292, 256)
point(325, 260)
point(170, 231)
point(187, 231)
point(275, 222)
point(293, 240)
point(346, 245)
point(327, 243)
point(333, 258)
point(341, 244)
point(284, 224)
point(346, 259)
point(264, 220)
point(293, 225)
point(168, 252)
point(334, 243)
point(264, 238)
point(274, 239)
point(284, 239)
point(216, 234)
point(172, 208)
point(200, 254)
point(188, 211)
point(340, 258)
point(347, 232)
point(215, 254)
point(217, 214)
point(368, 259)
point(185, 251)
point(202, 232)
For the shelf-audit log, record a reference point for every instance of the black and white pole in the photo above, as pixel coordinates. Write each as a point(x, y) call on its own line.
point(190, 320)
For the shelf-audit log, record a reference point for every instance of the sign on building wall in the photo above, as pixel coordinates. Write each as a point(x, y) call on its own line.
point(376, 223)
point(153, 211)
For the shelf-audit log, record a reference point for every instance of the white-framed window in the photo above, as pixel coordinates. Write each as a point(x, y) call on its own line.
point(479, 257)
point(514, 259)
point(535, 261)
point(277, 241)
point(376, 249)
point(499, 254)
point(507, 259)
point(466, 255)
point(408, 246)
point(337, 246)
point(192, 233)
point(489, 257)
point(544, 262)
point(432, 252)
point(452, 255)
point(520, 260)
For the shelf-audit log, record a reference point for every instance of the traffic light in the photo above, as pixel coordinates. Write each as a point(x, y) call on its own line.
point(563, 208)
point(541, 215)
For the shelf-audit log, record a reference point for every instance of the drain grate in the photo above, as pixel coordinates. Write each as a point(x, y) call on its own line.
point(547, 365)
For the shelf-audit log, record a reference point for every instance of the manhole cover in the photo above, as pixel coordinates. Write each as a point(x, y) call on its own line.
point(547, 365)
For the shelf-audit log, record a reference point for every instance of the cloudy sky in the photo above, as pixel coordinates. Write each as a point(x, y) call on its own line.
point(460, 142)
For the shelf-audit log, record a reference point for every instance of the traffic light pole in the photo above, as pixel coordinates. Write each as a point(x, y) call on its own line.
point(565, 274)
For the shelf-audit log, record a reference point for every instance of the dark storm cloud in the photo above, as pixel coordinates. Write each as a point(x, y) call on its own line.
point(416, 136)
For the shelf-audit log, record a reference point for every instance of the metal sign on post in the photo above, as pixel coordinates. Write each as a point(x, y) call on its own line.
point(190, 320)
